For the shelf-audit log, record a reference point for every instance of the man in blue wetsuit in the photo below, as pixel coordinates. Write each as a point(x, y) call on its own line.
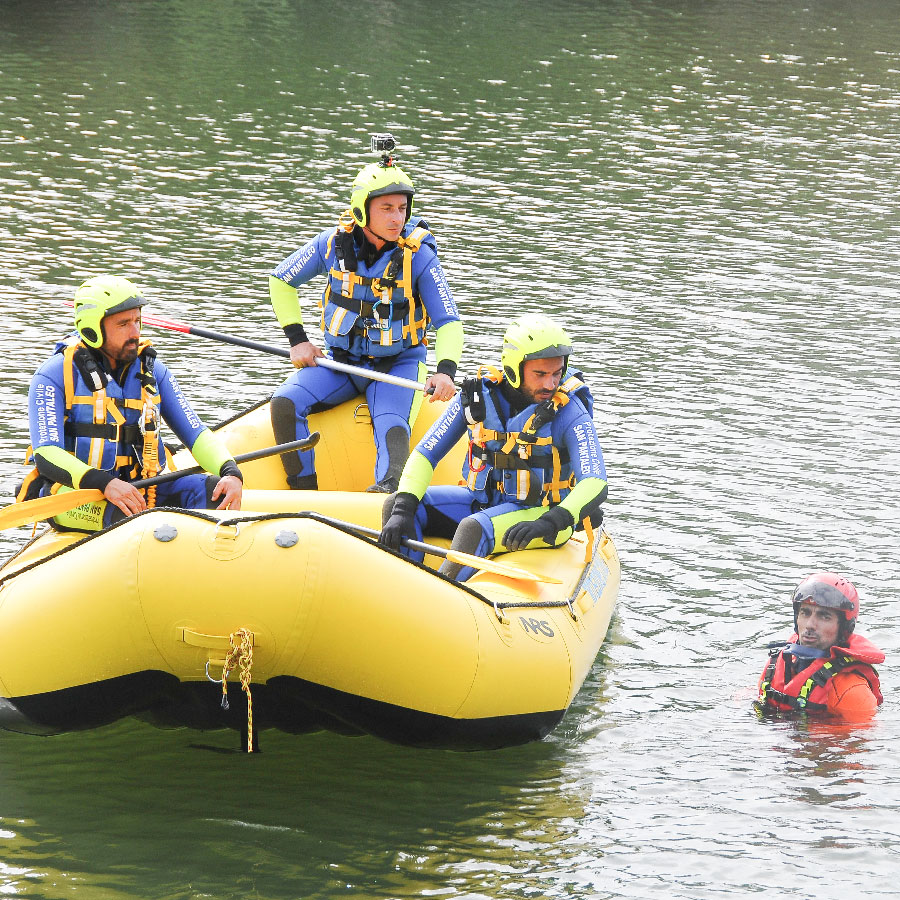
point(94, 410)
point(384, 284)
point(534, 470)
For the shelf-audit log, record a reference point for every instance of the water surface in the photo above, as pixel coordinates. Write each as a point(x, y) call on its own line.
point(705, 193)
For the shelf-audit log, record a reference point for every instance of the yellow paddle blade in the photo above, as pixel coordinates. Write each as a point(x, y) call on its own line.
point(498, 568)
point(44, 507)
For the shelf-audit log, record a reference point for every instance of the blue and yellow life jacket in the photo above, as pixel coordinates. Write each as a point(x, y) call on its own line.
point(110, 426)
point(381, 306)
point(516, 456)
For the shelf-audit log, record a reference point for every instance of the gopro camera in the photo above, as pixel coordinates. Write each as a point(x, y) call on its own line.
point(383, 143)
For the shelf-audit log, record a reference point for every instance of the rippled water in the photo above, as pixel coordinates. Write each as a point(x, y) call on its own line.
point(705, 192)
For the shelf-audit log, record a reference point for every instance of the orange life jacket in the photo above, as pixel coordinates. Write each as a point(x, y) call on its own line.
point(807, 691)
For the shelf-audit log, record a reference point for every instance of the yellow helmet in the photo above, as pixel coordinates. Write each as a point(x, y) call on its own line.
point(376, 180)
point(99, 297)
point(532, 337)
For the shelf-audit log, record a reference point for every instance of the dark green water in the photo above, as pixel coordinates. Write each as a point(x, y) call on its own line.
point(706, 193)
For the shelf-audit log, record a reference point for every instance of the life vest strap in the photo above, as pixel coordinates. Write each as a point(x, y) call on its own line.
point(117, 402)
point(368, 309)
point(503, 460)
point(800, 704)
point(819, 678)
point(125, 434)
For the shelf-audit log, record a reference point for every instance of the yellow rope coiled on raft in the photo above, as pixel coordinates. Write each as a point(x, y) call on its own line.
point(240, 655)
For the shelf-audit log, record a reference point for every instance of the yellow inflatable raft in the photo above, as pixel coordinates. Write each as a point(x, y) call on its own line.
point(306, 615)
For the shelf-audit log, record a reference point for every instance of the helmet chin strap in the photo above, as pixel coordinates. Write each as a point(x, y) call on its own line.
point(369, 231)
point(384, 240)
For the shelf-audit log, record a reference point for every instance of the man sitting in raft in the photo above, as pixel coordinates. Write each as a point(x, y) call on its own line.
point(824, 667)
point(534, 470)
point(384, 284)
point(94, 409)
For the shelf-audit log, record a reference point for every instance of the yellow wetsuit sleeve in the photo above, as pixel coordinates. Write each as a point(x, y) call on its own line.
point(417, 475)
point(588, 491)
point(210, 452)
point(63, 463)
point(448, 342)
point(285, 302)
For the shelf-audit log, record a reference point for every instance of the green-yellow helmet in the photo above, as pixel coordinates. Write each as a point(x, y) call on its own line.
point(532, 337)
point(376, 180)
point(99, 297)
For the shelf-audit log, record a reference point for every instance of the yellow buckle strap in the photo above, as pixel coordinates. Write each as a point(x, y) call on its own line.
point(113, 410)
point(68, 374)
point(589, 534)
point(414, 239)
point(488, 371)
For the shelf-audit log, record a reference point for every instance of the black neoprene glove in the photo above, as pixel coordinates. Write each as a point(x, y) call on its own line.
point(548, 526)
point(401, 523)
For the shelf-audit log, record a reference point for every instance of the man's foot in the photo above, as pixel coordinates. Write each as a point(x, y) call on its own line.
point(386, 486)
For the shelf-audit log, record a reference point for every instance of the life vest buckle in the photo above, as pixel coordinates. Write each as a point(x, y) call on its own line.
point(383, 320)
point(149, 419)
point(477, 452)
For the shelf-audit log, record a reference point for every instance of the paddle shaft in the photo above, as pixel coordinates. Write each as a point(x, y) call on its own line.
point(465, 559)
point(53, 504)
point(408, 542)
point(306, 443)
point(184, 328)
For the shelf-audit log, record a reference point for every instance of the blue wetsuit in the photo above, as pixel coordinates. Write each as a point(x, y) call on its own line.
point(565, 469)
point(373, 319)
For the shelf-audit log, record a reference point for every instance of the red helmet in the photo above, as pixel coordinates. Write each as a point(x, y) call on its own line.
point(831, 591)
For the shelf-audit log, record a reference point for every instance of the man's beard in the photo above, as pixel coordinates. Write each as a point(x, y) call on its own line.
point(128, 354)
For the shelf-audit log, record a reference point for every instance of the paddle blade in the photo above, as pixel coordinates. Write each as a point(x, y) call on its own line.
point(44, 507)
point(165, 322)
point(498, 568)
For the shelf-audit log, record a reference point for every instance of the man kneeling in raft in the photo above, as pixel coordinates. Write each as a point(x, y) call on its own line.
point(824, 667)
point(94, 410)
point(534, 471)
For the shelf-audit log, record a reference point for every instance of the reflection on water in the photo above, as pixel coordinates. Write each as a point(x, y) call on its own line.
point(306, 821)
point(705, 194)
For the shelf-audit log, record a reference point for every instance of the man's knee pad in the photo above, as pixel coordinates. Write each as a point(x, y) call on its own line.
point(468, 536)
point(467, 539)
point(210, 486)
point(284, 427)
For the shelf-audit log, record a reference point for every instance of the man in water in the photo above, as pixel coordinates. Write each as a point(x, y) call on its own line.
point(825, 666)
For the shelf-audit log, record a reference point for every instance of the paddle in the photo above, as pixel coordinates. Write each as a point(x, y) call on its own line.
point(464, 559)
point(174, 325)
point(44, 507)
